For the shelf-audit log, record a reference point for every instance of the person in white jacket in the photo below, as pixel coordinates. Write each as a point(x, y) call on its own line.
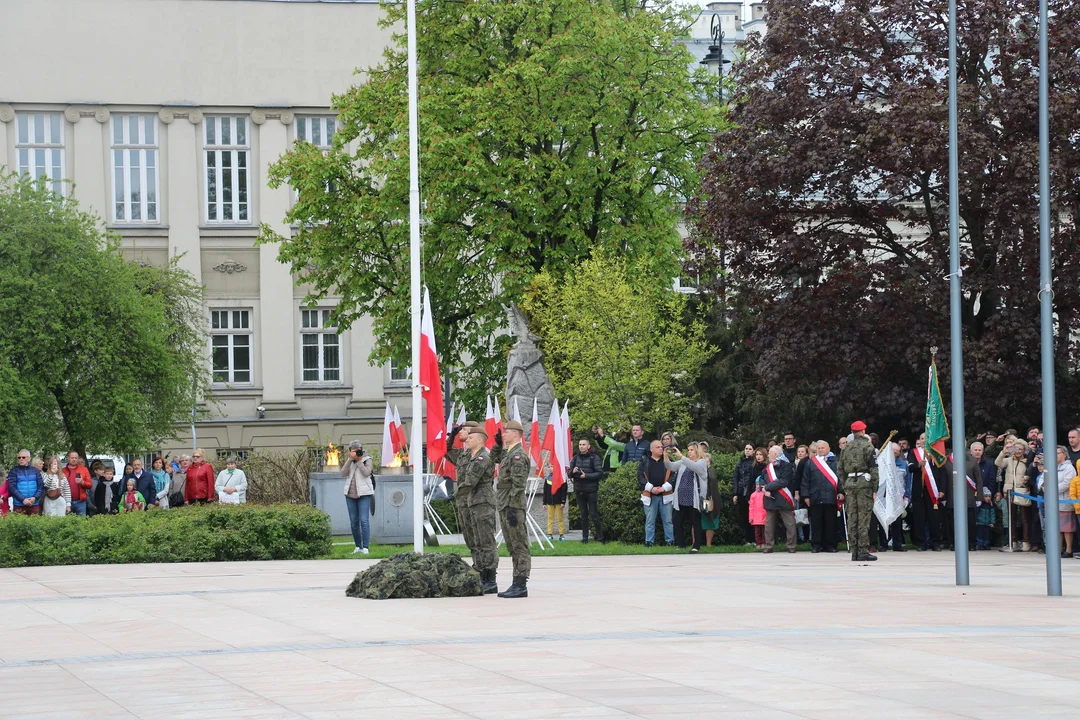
point(359, 495)
point(691, 488)
point(231, 483)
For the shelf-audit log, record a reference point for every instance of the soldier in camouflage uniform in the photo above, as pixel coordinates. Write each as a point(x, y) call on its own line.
point(476, 480)
point(858, 471)
point(510, 498)
point(458, 457)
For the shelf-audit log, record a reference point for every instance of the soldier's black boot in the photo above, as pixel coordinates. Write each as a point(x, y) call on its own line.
point(866, 557)
point(518, 590)
point(489, 586)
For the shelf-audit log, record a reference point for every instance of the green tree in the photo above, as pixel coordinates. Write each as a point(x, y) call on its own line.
point(95, 351)
point(616, 346)
point(547, 129)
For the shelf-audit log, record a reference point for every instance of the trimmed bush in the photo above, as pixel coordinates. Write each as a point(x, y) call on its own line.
point(447, 512)
point(623, 515)
point(214, 533)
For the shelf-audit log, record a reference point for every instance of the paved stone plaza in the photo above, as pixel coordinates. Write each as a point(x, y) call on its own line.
point(710, 636)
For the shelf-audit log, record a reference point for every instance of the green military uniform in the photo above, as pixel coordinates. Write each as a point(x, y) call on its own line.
point(510, 498)
point(458, 457)
point(476, 479)
point(859, 474)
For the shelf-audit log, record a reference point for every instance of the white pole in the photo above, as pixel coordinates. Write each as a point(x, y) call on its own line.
point(416, 446)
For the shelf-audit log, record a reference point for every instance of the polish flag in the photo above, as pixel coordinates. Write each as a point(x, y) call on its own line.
point(498, 415)
point(388, 437)
point(534, 440)
point(397, 430)
point(489, 425)
point(431, 386)
point(442, 467)
point(551, 443)
point(517, 416)
point(563, 443)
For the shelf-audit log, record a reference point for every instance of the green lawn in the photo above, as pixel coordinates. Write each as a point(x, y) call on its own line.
point(561, 549)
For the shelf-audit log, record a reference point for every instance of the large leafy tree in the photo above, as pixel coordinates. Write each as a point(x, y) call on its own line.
point(547, 129)
point(95, 351)
point(618, 349)
point(826, 206)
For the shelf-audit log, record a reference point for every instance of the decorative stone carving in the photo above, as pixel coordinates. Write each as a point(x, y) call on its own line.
point(74, 113)
point(7, 113)
point(167, 114)
point(526, 376)
point(230, 266)
point(261, 115)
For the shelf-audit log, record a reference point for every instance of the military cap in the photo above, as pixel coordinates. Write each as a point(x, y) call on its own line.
point(513, 425)
point(478, 431)
point(858, 426)
point(470, 424)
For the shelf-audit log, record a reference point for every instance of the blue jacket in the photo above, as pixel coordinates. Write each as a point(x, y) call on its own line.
point(144, 485)
point(905, 471)
point(25, 482)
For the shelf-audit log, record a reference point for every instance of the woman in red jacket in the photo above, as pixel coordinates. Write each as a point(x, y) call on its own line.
point(200, 480)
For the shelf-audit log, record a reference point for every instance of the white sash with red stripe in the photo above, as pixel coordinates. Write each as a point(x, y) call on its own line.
point(928, 476)
point(770, 470)
point(824, 469)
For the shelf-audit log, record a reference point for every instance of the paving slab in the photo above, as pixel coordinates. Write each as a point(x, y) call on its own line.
point(664, 636)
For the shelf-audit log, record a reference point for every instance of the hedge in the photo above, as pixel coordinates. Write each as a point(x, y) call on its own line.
point(214, 533)
point(623, 517)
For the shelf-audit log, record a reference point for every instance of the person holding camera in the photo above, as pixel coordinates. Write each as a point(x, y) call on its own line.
point(1013, 461)
point(586, 470)
point(691, 489)
point(359, 495)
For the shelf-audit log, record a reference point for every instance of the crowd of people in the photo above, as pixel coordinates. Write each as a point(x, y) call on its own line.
point(802, 487)
point(64, 486)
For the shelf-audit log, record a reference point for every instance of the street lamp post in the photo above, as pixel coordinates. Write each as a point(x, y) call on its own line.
point(715, 56)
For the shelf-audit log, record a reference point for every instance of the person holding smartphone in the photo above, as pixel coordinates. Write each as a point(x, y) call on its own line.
point(359, 495)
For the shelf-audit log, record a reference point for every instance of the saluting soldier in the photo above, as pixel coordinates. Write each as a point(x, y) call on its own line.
point(479, 472)
point(510, 498)
point(858, 471)
point(458, 457)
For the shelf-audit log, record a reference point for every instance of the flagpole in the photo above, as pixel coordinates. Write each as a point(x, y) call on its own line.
point(960, 517)
point(416, 451)
point(1046, 298)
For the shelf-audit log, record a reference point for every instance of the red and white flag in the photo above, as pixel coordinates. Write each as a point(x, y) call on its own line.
point(397, 432)
point(498, 415)
point(517, 416)
point(534, 440)
point(551, 443)
point(489, 425)
point(564, 422)
point(388, 438)
point(442, 467)
point(431, 386)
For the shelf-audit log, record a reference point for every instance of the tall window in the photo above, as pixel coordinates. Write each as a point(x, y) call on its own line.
point(135, 168)
point(318, 131)
point(39, 144)
point(320, 347)
point(230, 340)
point(399, 374)
point(228, 162)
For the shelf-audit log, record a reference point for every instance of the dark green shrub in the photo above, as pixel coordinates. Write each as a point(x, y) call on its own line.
point(447, 512)
point(194, 534)
point(623, 516)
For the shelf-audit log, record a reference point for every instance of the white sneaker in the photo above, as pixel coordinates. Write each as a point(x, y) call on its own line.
point(364, 551)
point(357, 549)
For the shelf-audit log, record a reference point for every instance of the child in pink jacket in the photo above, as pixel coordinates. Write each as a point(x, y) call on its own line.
point(757, 513)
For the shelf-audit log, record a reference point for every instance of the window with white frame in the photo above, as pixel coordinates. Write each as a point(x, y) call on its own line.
point(39, 145)
point(320, 347)
point(317, 130)
point(135, 168)
point(230, 345)
point(399, 374)
point(228, 164)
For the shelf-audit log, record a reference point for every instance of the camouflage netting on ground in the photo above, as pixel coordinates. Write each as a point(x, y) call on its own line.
point(410, 575)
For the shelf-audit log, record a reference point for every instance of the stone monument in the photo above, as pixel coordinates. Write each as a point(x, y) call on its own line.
point(526, 377)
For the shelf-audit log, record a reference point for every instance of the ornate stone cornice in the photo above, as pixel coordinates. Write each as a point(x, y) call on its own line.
point(7, 113)
point(169, 113)
point(261, 115)
point(229, 267)
point(74, 113)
